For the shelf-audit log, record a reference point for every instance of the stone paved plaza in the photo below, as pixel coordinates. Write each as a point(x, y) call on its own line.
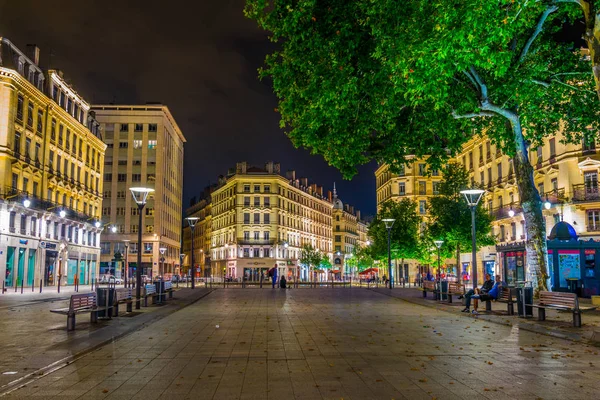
point(324, 343)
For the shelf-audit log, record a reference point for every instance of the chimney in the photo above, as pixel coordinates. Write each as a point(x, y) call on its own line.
point(320, 190)
point(358, 215)
point(291, 175)
point(277, 168)
point(33, 52)
point(241, 167)
point(329, 196)
point(304, 182)
point(269, 167)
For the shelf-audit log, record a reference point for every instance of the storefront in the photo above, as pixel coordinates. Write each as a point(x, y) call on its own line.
point(573, 265)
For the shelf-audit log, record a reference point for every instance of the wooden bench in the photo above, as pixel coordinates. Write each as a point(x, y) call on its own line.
point(149, 291)
point(560, 301)
point(78, 304)
point(428, 286)
point(169, 288)
point(455, 288)
point(505, 295)
point(123, 296)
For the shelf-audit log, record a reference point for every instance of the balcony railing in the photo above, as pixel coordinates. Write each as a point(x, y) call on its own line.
point(554, 196)
point(257, 242)
point(504, 212)
point(593, 228)
point(583, 192)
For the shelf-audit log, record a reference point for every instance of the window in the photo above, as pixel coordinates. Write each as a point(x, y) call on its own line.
point(422, 169)
point(267, 201)
point(151, 144)
point(246, 235)
point(502, 234)
point(593, 217)
point(267, 252)
point(105, 210)
point(122, 162)
point(104, 247)
point(137, 144)
point(338, 238)
point(124, 128)
point(36, 154)
point(513, 231)
point(55, 93)
point(134, 229)
point(123, 145)
point(436, 188)
point(589, 145)
point(256, 201)
point(25, 184)
point(422, 207)
point(120, 210)
point(148, 247)
point(435, 172)
point(40, 117)
point(60, 135)
point(267, 218)
point(554, 183)
point(499, 172)
point(136, 177)
point(120, 194)
point(402, 170)
point(20, 103)
point(539, 154)
point(122, 177)
point(149, 211)
point(246, 218)
point(152, 127)
point(149, 228)
point(552, 142)
point(138, 127)
point(266, 235)
point(480, 154)
point(246, 201)
point(482, 178)
point(256, 253)
point(402, 188)
point(256, 188)
point(256, 218)
point(17, 148)
point(246, 188)
point(256, 235)
point(267, 188)
point(246, 253)
point(53, 130)
point(30, 114)
point(541, 189)
point(422, 187)
point(470, 160)
point(35, 188)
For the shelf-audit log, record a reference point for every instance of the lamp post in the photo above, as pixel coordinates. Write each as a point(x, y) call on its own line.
point(162, 262)
point(389, 222)
point(192, 223)
point(126, 260)
point(438, 244)
point(140, 196)
point(181, 257)
point(473, 196)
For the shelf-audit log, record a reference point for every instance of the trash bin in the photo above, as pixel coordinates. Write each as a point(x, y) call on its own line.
point(572, 285)
point(160, 290)
point(444, 291)
point(524, 296)
point(105, 298)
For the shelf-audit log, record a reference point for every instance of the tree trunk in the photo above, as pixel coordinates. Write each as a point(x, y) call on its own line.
point(592, 38)
point(458, 266)
point(535, 224)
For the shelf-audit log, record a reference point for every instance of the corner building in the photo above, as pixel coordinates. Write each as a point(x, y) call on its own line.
point(144, 148)
point(51, 164)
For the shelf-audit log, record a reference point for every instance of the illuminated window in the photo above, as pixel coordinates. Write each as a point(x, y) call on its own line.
point(151, 144)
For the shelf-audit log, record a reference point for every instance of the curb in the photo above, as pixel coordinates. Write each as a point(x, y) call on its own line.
point(55, 366)
point(530, 327)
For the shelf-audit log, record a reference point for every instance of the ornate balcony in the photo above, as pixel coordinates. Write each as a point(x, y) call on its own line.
point(584, 192)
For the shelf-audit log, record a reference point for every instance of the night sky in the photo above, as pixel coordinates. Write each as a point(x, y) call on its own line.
point(199, 58)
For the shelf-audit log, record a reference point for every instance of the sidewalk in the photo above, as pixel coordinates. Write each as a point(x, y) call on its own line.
point(35, 341)
point(557, 324)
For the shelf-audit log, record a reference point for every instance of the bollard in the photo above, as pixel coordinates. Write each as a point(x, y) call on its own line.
point(22, 284)
point(2, 286)
point(41, 286)
point(59, 284)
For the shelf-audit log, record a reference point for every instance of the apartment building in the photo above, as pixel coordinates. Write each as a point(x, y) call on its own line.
point(144, 149)
point(51, 164)
point(256, 218)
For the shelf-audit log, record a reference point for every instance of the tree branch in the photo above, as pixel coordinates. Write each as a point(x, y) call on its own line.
point(537, 31)
point(472, 115)
point(482, 86)
point(578, 2)
point(543, 83)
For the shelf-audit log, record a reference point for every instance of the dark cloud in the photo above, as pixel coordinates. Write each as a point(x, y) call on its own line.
point(199, 58)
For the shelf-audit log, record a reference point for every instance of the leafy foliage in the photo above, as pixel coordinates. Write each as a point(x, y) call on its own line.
point(450, 216)
point(309, 256)
point(405, 242)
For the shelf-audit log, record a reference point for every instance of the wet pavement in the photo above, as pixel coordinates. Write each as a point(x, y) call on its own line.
point(324, 343)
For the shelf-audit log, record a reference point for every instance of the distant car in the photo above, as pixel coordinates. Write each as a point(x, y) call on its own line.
point(107, 278)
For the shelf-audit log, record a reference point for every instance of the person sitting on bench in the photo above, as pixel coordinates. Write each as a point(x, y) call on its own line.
point(485, 288)
point(491, 295)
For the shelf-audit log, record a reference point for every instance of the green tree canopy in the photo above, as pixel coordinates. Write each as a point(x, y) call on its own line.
point(362, 80)
point(309, 256)
point(450, 215)
point(405, 241)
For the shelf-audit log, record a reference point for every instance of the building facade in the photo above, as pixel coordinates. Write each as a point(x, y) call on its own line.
point(256, 218)
point(566, 176)
point(144, 149)
point(51, 164)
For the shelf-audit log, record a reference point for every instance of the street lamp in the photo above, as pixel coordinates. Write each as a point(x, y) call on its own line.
point(547, 204)
point(389, 222)
point(162, 261)
point(98, 224)
point(140, 196)
point(511, 212)
point(192, 223)
point(473, 196)
point(126, 260)
point(26, 203)
point(113, 229)
point(438, 244)
point(62, 213)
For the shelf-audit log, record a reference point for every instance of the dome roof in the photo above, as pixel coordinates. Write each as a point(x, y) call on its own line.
point(337, 204)
point(563, 231)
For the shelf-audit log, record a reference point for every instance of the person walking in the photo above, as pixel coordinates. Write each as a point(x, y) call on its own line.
point(273, 275)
